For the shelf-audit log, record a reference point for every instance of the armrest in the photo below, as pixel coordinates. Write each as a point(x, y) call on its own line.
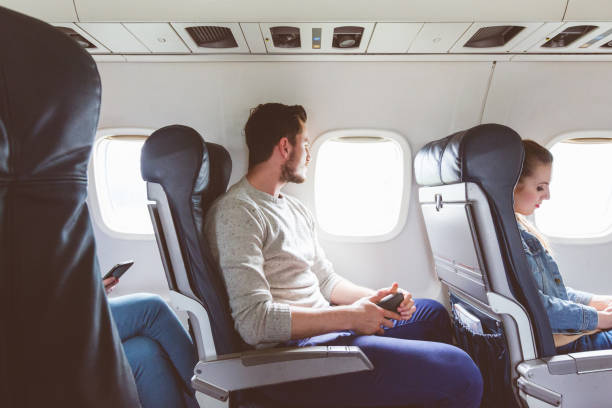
point(218, 377)
point(569, 380)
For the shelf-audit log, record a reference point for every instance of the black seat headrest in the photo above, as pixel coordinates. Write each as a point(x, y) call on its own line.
point(489, 153)
point(193, 173)
point(491, 156)
point(51, 293)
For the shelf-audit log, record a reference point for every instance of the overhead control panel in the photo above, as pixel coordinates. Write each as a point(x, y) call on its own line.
point(576, 37)
point(316, 38)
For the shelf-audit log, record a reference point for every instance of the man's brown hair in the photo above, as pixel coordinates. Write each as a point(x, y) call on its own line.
point(268, 123)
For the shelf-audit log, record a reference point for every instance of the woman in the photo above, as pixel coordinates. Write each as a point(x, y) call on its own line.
point(158, 348)
point(580, 320)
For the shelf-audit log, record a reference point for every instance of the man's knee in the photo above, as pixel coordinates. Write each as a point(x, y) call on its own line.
point(465, 380)
point(434, 312)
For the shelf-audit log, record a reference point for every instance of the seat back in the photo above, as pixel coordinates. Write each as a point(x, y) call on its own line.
point(58, 345)
point(467, 203)
point(184, 176)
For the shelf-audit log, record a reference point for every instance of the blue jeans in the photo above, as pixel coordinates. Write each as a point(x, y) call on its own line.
point(597, 341)
point(158, 348)
point(413, 366)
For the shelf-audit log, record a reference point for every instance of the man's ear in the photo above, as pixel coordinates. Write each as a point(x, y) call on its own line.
point(284, 147)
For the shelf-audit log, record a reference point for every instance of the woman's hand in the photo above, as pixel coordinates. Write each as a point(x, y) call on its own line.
point(109, 284)
point(600, 302)
point(604, 318)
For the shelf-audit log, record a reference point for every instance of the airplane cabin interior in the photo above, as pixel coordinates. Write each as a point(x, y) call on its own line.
point(124, 123)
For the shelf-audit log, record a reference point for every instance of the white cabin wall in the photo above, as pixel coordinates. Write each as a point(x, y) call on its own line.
point(541, 100)
point(421, 100)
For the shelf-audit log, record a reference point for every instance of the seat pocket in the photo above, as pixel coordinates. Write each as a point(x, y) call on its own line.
point(489, 351)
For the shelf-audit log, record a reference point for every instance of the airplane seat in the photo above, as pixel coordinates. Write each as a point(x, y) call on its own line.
point(58, 345)
point(466, 195)
point(184, 175)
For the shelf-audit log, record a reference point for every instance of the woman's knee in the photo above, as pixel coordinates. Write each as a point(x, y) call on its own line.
point(142, 353)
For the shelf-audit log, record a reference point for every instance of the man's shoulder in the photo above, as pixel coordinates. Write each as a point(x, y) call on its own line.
point(233, 200)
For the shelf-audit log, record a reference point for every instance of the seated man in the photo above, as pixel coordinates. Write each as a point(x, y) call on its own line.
point(280, 286)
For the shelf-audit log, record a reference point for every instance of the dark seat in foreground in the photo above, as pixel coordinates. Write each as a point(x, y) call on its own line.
point(58, 346)
point(466, 197)
point(184, 175)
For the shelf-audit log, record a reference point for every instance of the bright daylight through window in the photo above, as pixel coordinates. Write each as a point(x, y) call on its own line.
point(581, 190)
point(120, 189)
point(359, 185)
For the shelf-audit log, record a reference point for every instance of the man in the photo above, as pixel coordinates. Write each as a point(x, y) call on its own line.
point(281, 285)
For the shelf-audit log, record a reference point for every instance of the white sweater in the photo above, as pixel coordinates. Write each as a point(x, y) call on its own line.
point(270, 258)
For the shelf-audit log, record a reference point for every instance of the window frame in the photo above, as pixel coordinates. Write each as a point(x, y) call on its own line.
point(605, 237)
point(93, 200)
point(406, 189)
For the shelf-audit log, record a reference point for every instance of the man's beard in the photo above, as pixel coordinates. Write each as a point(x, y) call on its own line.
point(289, 171)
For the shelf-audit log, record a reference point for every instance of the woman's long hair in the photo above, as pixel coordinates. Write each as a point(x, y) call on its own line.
point(535, 155)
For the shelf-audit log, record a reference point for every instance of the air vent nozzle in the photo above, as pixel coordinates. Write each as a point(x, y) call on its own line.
point(568, 36)
point(347, 37)
point(286, 37)
point(82, 41)
point(212, 36)
point(495, 36)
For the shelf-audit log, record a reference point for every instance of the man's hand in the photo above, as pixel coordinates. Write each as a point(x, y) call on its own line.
point(407, 307)
point(368, 318)
point(109, 284)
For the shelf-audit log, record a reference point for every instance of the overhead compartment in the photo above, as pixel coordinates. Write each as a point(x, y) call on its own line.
point(585, 10)
point(493, 37)
point(437, 37)
point(316, 38)
point(393, 38)
point(115, 37)
point(212, 38)
point(51, 11)
point(85, 40)
point(158, 37)
point(320, 10)
point(253, 37)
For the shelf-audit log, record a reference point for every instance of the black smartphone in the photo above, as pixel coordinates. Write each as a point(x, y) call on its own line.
point(118, 270)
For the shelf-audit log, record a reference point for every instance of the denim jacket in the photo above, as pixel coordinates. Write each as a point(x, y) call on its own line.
point(566, 308)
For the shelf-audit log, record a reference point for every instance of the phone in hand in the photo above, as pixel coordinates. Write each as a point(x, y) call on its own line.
point(118, 270)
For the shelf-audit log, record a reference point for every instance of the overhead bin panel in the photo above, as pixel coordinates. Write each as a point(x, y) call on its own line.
point(85, 40)
point(212, 38)
point(493, 37)
point(393, 38)
point(158, 37)
point(320, 10)
point(317, 38)
point(253, 37)
point(576, 37)
point(585, 10)
point(437, 37)
point(51, 11)
point(115, 37)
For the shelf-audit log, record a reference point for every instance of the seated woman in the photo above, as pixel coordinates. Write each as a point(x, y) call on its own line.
point(580, 320)
point(158, 348)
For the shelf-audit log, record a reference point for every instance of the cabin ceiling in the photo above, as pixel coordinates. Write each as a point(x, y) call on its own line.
point(313, 10)
point(141, 27)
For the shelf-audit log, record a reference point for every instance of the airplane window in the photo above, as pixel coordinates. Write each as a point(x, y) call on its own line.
point(581, 190)
point(361, 181)
point(121, 192)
